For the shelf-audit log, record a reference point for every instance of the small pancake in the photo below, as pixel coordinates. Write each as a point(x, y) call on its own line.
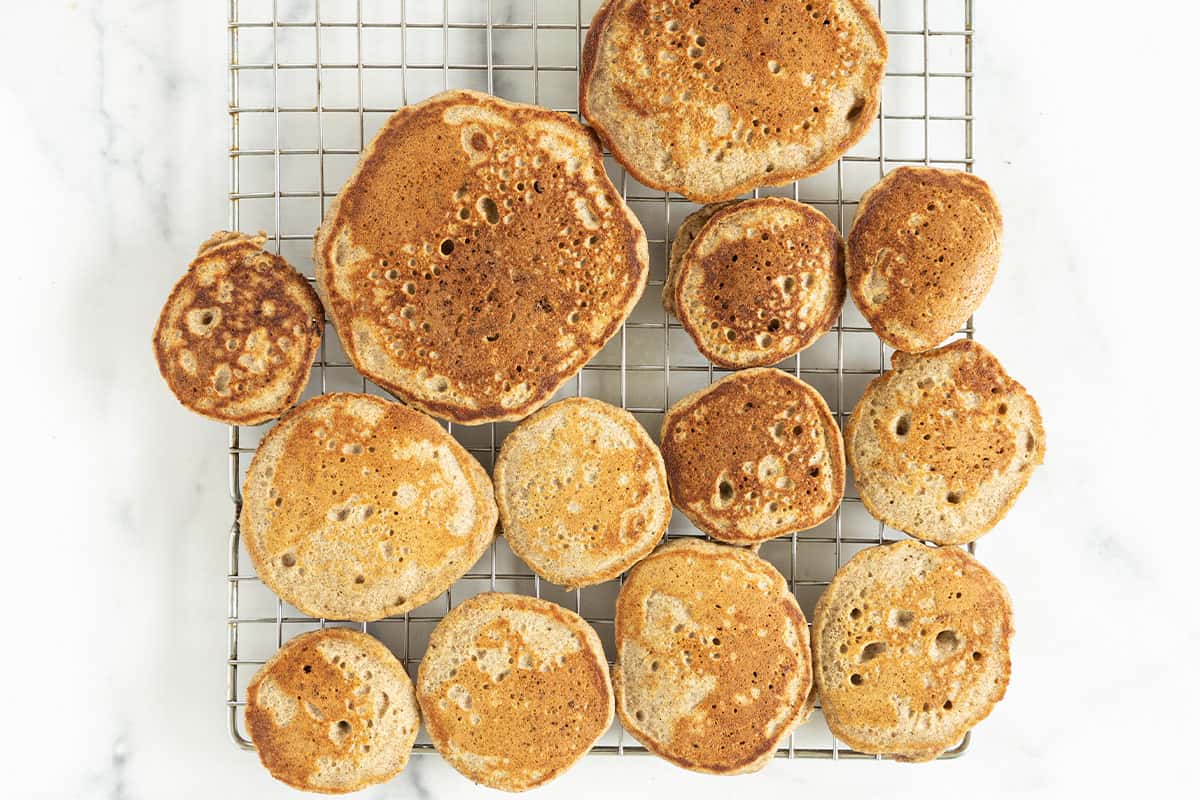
point(333, 711)
point(582, 492)
point(762, 281)
point(754, 456)
point(514, 690)
point(236, 339)
point(358, 508)
point(911, 649)
point(713, 661)
point(478, 257)
point(707, 101)
point(923, 252)
point(684, 236)
point(942, 444)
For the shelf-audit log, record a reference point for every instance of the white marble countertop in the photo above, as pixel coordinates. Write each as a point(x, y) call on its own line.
point(115, 141)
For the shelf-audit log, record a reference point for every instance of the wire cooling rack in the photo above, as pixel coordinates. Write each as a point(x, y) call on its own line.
point(309, 83)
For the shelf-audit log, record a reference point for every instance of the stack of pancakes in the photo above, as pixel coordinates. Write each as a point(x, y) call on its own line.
point(477, 258)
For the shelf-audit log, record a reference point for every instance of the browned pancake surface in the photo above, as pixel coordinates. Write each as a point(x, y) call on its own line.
point(923, 252)
point(514, 690)
point(713, 661)
point(754, 456)
point(237, 335)
point(762, 281)
point(912, 649)
point(478, 257)
point(711, 99)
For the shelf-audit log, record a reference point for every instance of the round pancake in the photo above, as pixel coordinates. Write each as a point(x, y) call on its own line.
point(754, 456)
point(478, 257)
point(582, 492)
point(358, 508)
point(333, 711)
point(684, 236)
point(923, 252)
point(713, 661)
point(236, 339)
point(762, 281)
point(514, 690)
point(911, 648)
point(942, 444)
point(707, 101)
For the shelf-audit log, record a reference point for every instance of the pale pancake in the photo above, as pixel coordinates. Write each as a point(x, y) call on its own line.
point(478, 257)
point(514, 690)
point(333, 711)
point(911, 646)
point(582, 492)
point(359, 508)
point(713, 661)
point(236, 338)
point(943, 443)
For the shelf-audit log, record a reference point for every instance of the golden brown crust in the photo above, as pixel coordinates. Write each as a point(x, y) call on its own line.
point(806, 94)
point(332, 711)
point(942, 444)
point(761, 281)
point(713, 660)
point(754, 456)
point(236, 339)
point(478, 256)
point(923, 252)
point(514, 690)
point(911, 646)
point(358, 508)
point(684, 236)
point(582, 492)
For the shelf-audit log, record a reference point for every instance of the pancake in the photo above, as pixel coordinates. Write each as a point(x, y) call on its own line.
point(514, 690)
point(358, 508)
point(923, 252)
point(236, 339)
point(333, 711)
point(762, 281)
point(713, 662)
point(707, 101)
point(478, 257)
point(911, 648)
point(684, 236)
point(582, 492)
point(754, 456)
point(942, 444)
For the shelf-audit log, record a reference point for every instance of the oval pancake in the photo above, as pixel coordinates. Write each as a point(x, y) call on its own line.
point(713, 661)
point(762, 281)
point(332, 711)
point(923, 252)
point(942, 444)
point(478, 257)
point(236, 338)
point(514, 690)
point(911, 645)
point(754, 456)
point(707, 101)
point(684, 236)
point(582, 492)
point(359, 508)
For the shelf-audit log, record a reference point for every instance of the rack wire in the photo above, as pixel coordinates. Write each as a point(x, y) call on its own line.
point(309, 83)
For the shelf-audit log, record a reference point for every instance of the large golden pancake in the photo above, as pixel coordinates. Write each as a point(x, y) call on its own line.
point(333, 711)
point(359, 508)
point(942, 444)
point(514, 690)
point(236, 338)
point(478, 257)
point(713, 661)
point(710, 99)
point(911, 648)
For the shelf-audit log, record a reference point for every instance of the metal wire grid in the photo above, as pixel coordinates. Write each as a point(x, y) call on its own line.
point(651, 362)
